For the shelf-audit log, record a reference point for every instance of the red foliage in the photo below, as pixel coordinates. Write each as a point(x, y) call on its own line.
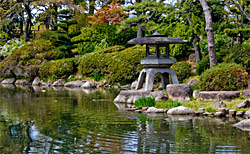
point(109, 14)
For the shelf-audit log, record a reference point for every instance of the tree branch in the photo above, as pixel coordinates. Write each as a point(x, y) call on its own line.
point(239, 6)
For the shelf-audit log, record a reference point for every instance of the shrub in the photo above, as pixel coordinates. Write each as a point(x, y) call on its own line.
point(117, 64)
point(224, 77)
point(240, 54)
point(204, 64)
point(100, 36)
point(10, 46)
point(182, 70)
point(145, 102)
point(57, 69)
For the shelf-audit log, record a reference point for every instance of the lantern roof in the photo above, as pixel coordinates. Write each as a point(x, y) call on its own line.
point(157, 39)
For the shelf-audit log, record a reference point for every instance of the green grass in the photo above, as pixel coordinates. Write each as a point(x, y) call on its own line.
point(168, 104)
point(145, 102)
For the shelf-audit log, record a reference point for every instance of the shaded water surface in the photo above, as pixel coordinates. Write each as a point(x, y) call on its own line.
point(35, 120)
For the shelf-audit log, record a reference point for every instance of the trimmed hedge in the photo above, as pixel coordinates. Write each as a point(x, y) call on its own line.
point(115, 63)
point(57, 69)
point(204, 64)
point(182, 70)
point(224, 76)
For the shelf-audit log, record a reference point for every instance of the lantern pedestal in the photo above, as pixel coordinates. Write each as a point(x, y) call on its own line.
point(148, 74)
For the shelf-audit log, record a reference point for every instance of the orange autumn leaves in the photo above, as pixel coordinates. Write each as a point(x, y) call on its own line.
point(112, 13)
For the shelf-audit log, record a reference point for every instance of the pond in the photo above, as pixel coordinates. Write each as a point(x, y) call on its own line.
point(35, 120)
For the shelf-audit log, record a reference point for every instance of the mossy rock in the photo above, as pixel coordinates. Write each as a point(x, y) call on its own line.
point(116, 63)
point(225, 76)
point(31, 55)
point(182, 70)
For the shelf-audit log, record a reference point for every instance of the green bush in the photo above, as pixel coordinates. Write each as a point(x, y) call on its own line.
point(100, 36)
point(240, 54)
point(115, 63)
point(145, 102)
point(182, 70)
point(204, 64)
point(224, 76)
point(57, 69)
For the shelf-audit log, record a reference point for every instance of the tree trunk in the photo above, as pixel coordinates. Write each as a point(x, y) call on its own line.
point(210, 33)
point(91, 7)
point(28, 22)
point(55, 28)
point(196, 49)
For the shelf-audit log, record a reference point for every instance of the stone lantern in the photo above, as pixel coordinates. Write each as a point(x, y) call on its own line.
point(157, 63)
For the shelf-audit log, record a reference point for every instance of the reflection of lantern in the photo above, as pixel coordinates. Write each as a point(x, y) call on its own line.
point(157, 63)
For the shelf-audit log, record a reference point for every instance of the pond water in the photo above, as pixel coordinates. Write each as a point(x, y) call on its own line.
point(35, 120)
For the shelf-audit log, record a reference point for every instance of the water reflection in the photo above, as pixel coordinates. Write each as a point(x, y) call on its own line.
point(62, 121)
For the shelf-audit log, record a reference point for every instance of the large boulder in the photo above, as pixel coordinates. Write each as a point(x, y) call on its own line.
point(8, 81)
point(74, 84)
point(246, 93)
point(155, 110)
point(134, 84)
point(247, 113)
point(243, 125)
point(180, 110)
point(179, 92)
point(36, 81)
point(88, 84)
point(130, 96)
point(22, 82)
point(244, 104)
point(219, 95)
point(59, 82)
point(218, 104)
point(159, 96)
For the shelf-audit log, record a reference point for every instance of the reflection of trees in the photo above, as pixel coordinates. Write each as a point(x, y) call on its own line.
point(79, 122)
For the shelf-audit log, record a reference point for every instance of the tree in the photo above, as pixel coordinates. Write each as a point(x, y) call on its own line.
point(210, 34)
point(109, 14)
point(144, 13)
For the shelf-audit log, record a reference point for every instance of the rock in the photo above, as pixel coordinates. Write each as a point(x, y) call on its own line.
point(134, 84)
point(222, 110)
point(74, 84)
point(243, 125)
point(22, 82)
point(180, 110)
point(195, 94)
point(36, 81)
point(219, 95)
point(246, 93)
point(208, 114)
point(155, 110)
point(191, 57)
point(138, 111)
point(244, 104)
point(125, 86)
point(159, 96)
point(218, 104)
point(247, 113)
point(88, 84)
point(193, 82)
point(248, 86)
point(239, 113)
point(8, 81)
point(130, 96)
point(59, 82)
point(179, 92)
point(193, 70)
point(232, 113)
point(45, 84)
point(219, 114)
point(201, 110)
